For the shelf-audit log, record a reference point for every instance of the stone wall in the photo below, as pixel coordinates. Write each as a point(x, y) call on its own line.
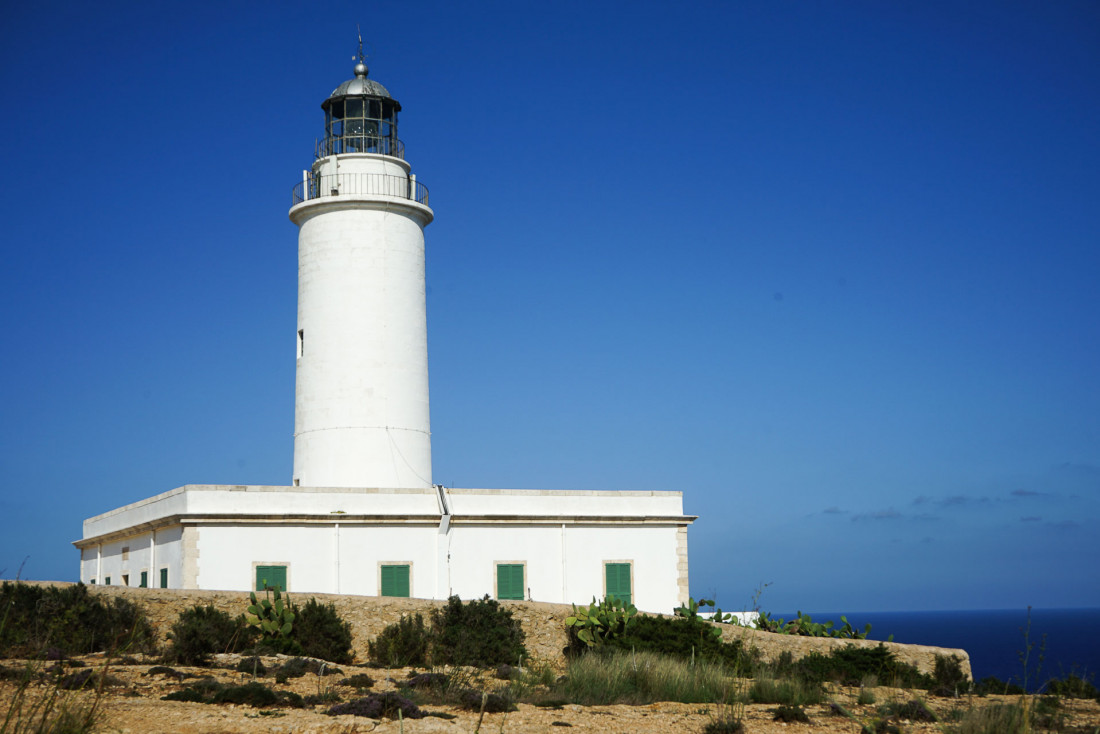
point(544, 624)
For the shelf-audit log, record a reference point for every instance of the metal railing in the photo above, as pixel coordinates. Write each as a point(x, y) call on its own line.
point(361, 184)
point(340, 144)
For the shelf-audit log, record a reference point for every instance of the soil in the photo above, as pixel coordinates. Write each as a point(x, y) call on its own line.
point(132, 703)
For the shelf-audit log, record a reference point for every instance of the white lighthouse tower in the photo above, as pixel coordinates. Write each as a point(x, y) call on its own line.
point(361, 401)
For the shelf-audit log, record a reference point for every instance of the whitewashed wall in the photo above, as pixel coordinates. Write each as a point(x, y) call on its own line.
point(333, 551)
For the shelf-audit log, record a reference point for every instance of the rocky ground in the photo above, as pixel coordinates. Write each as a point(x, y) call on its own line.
point(132, 703)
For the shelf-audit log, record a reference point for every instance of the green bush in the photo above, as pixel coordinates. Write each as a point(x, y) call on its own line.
point(200, 632)
point(790, 714)
point(480, 633)
point(786, 691)
point(992, 685)
point(1072, 686)
point(69, 619)
point(948, 678)
point(914, 710)
point(401, 644)
point(681, 637)
point(850, 665)
point(321, 632)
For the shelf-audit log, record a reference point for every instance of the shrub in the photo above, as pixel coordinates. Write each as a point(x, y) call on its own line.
point(316, 699)
point(948, 678)
point(480, 633)
point(491, 703)
point(200, 632)
point(787, 691)
point(378, 706)
point(914, 710)
point(427, 680)
point(404, 643)
point(297, 667)
point(70, 620)
point(187, 695)
point(850, 665)
point(253, 666)
point(992, 685)
point(681, 637)
point(359, 680)
point(791, 714)
point(1072, 686)
point(322, 633)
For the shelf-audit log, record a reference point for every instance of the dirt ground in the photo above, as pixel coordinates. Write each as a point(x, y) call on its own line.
point(133, 704)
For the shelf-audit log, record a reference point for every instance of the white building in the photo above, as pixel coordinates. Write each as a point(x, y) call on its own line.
point(362, 515)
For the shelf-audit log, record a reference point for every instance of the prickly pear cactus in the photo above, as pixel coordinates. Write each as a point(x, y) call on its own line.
point(599, 622)
point(272, 616)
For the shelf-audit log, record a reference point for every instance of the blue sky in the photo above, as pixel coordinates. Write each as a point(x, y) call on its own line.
point(830, 269)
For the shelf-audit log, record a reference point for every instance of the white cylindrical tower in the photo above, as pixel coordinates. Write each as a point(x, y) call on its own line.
point(361, 393)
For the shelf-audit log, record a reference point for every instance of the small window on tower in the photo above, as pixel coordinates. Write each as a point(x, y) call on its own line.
point(301, 342)
point(125, 552)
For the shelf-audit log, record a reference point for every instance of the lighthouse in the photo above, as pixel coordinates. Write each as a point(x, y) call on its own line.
point(361, 514)
point(361, 390)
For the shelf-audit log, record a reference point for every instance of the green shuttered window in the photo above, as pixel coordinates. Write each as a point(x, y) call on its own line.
point(618, 581)
point(270, 577)
point(395, 580)
point(144, 580)
point(510, 581)
point(164, 578)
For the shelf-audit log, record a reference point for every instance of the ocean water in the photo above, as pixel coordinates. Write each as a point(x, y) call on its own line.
point(1066, 639)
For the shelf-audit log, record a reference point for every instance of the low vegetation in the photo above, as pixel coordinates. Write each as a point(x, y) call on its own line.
point(479, 633)
point(62, 621)
point(471, 656)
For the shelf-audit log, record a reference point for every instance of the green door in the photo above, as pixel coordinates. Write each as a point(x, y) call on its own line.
point(164, 578)
point(510, 581)
point(395, 580)
point(270, 577)
point(618, 581)
point(144, 580)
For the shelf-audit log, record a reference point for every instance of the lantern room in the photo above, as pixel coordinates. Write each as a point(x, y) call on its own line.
point(360, 117)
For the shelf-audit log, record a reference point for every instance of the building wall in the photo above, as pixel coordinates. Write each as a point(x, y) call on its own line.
point(562, 565)
point(335, 540)
point(124, 559)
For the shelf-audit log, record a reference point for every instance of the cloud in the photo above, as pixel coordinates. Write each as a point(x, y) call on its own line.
point(1031, 518)
point(834, 511)
point(888, 514)
point(1028, 493)
point(955, 500)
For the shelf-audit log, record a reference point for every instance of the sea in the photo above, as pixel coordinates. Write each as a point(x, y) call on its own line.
point(1062, 641)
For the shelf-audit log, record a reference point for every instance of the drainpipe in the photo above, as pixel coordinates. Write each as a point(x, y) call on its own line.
point(443, 549)
point(564, 599)
point(336, 527)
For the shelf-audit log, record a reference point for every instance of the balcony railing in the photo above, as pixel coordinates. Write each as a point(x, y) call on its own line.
point(360, 184)
point(340, 144)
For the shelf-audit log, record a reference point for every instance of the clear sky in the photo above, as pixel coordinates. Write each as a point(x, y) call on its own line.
point(831, 269)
